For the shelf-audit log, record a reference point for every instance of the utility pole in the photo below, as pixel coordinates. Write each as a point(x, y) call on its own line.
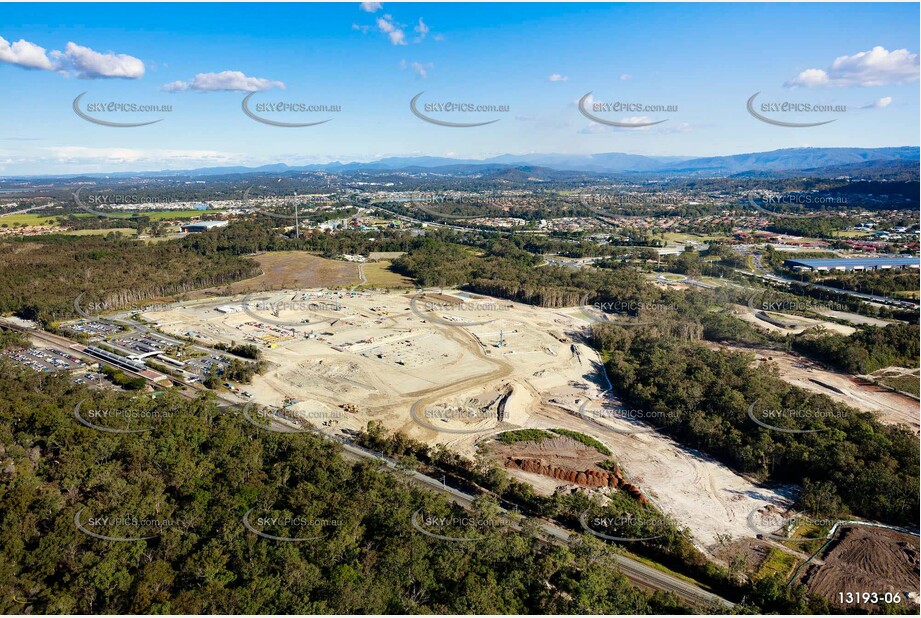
point(297, 226)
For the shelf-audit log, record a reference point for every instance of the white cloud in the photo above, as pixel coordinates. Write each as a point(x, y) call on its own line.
point(234, 81)
point(593, 128)
point(385, 24)
point(667, 128)
point(25, 54)
point(421, 29)
point(877, 67)
point(90, 64)
point(556, 77)
point(76, 60)
point(371, 7)
point(83, 154)
point(639, 120)
point(625, 77)
point(362, 29)
point(879, 103)
point(678, 127)
point(397, 37)
point(422, 70)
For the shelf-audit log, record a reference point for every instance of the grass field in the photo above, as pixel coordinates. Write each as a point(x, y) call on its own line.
point(776, 561)
point(379, 275)
point(27, 219)
point(291, 270)
point(908, 384)
point(159, 215)
point(125, 231)
point(677, 237)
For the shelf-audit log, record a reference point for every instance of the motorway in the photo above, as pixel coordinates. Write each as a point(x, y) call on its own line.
point(763, 273)
point(637, 572)
point(459, 228)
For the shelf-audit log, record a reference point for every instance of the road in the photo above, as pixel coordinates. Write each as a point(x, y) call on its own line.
point(25, 210)
point(453, 227)
point(636, 571)
point(765, 274)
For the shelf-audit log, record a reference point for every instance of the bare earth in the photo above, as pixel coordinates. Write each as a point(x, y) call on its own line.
point(408, 364)
point(291, 269)
point(890, 407)
point(866, 559)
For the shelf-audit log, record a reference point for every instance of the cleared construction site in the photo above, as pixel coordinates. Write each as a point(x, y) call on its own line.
point(452, 368)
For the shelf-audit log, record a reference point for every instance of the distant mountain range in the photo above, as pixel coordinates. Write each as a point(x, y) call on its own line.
point(810, 160)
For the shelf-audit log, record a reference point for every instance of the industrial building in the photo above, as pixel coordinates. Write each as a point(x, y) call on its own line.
point(202, 226)
point(853, 264)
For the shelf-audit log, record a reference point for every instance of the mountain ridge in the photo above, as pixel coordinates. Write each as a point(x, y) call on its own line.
point(781, 160)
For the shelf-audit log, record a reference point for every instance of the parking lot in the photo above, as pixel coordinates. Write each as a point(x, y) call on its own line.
point(205, 364)
point(93, 328)
point(46, 359)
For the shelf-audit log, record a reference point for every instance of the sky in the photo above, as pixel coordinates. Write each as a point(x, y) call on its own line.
point(696, 64)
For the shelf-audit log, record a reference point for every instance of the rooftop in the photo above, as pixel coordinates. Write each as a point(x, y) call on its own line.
point(852, 262)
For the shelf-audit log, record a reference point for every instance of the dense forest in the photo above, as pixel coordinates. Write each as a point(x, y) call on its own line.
point(883, 282)
point(189, 482)
point(866, 350)
point(851, 463)
point(858, 464)
point(41, 280)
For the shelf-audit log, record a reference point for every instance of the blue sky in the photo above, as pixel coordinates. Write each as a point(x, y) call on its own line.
point(537, 59)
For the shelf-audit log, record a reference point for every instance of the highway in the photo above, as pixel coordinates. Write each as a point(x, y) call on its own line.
point(636, 571)
point(765, 274)
point(453, 227)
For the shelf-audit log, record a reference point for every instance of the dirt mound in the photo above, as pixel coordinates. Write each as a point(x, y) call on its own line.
point(870, 560)
point(585, 478)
